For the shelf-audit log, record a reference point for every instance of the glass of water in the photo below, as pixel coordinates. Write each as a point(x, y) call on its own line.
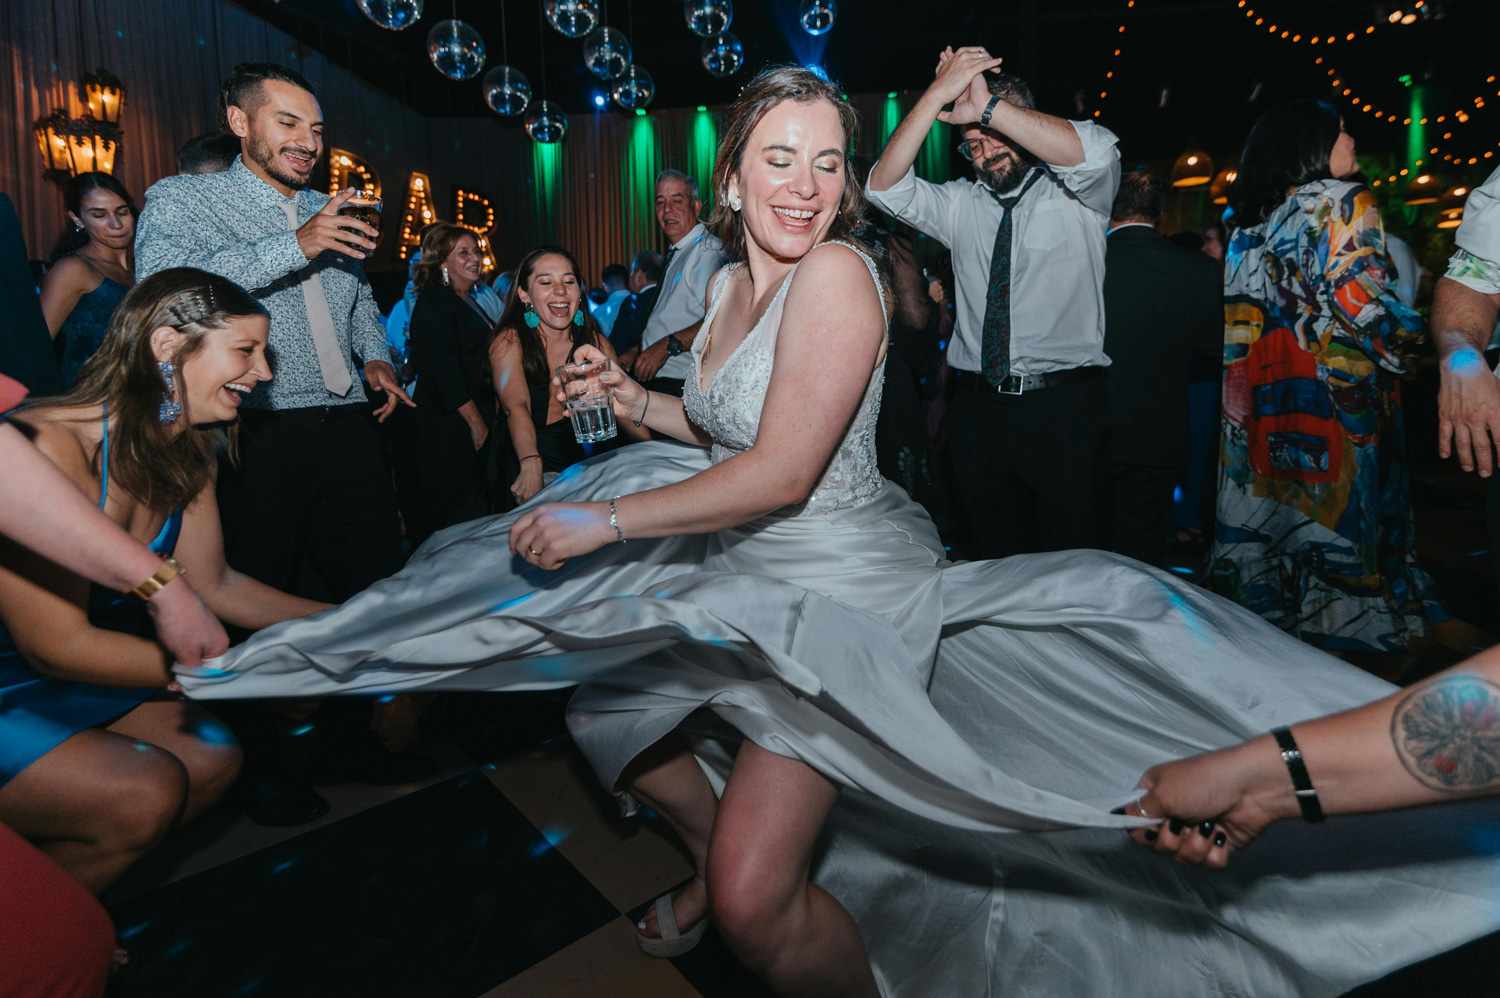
point(590, 403)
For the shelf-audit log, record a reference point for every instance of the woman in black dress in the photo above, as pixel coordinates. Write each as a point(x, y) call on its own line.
point(455, 405)
point(544, 321)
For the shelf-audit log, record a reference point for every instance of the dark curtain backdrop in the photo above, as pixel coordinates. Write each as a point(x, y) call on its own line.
point(591, 193)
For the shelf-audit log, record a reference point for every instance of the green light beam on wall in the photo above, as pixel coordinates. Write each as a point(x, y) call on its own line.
point(546, 170)
point(638, 184)
point(933, 158)
point(703, 150)
point(890, 117)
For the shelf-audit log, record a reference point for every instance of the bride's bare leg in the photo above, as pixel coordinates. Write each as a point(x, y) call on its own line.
point(667, 779)
point(791, 933)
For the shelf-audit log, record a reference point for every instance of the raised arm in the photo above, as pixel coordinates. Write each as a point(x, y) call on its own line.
point(955, 72)
point(233, 596)
point(830, 341)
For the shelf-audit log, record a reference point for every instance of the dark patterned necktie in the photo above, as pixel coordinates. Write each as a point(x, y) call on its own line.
point(666, 261)
point(995, 347)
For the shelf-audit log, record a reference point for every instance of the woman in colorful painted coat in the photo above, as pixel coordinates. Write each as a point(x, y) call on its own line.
point(1315, 528)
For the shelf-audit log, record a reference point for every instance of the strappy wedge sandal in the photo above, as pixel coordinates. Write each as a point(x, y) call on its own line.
point(671, 942)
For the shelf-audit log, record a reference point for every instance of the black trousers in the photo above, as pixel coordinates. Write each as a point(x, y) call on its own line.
point(1142, 511)
point(310, 508)
point(1031, 472)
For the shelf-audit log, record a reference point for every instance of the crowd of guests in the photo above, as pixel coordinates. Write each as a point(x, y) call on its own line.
point(1040, 382)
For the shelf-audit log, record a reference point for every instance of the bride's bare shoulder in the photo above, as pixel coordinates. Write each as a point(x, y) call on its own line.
point(840, 269)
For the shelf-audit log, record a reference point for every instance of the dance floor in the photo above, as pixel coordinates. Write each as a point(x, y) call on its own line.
point(509, 872)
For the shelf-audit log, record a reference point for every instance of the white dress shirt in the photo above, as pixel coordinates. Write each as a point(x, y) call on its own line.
point(605, 313)
point(1057, 258)
point(1476, 262)
point(684, 288)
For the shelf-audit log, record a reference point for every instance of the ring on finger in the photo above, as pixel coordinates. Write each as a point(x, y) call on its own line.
point(1141, 809)
point(535, 553)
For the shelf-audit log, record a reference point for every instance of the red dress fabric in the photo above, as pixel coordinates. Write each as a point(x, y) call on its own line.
point(55, 938)
point(11, 393)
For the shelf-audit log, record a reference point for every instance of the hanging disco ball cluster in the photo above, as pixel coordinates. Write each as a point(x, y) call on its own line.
point(721, 52)
point(457, 51)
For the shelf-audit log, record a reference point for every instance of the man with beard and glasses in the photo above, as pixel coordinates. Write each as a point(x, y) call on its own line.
point(1029, 426)
point(309, 506)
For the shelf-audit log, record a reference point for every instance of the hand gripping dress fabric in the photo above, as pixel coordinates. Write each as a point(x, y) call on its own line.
point(981, 717)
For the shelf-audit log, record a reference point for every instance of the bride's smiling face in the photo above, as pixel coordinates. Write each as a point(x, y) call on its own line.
point(791, 178)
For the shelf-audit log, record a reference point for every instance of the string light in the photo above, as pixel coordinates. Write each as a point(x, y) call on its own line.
point(1110, 74)
point(1294, 36)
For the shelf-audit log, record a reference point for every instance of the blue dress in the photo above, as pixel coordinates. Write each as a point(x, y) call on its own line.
point(38, 713)
point(84, 328)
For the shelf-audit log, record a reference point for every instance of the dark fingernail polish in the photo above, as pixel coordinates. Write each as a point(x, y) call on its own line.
point(1220, 839)
point(1119, 810)
point(1175, 825)
point(1206, 829)
point(1151, 835)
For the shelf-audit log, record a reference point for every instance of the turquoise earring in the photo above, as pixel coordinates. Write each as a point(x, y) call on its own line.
point(532, 319)
point(578, 316)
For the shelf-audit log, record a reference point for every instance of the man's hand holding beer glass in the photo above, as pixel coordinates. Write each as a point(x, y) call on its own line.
point(329, 230)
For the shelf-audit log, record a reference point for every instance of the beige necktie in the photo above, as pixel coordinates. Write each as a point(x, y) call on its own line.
point(320, 320)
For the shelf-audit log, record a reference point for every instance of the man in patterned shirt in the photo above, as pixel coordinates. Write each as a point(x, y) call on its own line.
point(1464, 307)
point(309, 507)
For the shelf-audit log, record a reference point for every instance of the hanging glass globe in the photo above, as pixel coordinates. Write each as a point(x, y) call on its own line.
point(633, 88)
point(708, 17)
point(545, 122)
point(573, 18)
point(606, 53)
point(392, 15)
point(817, 15)
point(722, 55)
point(456, 50)
point(506, 90)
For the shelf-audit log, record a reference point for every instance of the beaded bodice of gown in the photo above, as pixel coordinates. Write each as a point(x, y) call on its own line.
point(729, 407)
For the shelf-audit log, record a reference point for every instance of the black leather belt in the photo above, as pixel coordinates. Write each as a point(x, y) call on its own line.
point(1019, 384)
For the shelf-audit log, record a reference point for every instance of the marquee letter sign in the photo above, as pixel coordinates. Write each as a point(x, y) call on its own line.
point(419, 213)
point(347, 170)
point(473, 211)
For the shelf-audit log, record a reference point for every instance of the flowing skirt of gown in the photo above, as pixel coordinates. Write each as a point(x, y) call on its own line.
point(982, 717)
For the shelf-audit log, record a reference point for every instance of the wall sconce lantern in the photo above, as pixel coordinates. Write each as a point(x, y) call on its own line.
point(88, 143)
point(104, 95)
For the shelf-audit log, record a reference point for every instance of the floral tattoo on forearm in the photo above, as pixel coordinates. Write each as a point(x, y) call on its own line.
point(1447, 734)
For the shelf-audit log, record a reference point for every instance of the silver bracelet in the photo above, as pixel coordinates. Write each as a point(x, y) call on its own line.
point(614, 520)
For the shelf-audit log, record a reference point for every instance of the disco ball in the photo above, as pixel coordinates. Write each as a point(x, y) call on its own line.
point(606, 53)
point(456, 50)
point(506, 90)
point(708, 17)
point(817, 15)
point(633, 88)
point(546, 122)
point(573, 18)
point(392, 14)
point(722, 55)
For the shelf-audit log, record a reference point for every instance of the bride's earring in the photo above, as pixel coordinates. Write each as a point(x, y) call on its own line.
point(735, 204)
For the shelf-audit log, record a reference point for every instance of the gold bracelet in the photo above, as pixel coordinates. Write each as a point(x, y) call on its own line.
point(168, 571)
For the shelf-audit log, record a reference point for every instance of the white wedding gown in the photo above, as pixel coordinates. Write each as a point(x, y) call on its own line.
point(982, 717)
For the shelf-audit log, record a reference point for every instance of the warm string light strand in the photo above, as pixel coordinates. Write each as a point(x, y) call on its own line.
point(1115, 59)
point(1296, 37)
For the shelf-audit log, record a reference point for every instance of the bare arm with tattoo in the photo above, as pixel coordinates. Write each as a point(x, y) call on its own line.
point(1436, 741)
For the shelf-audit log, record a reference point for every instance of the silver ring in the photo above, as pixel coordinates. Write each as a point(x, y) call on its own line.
point(1141, 809)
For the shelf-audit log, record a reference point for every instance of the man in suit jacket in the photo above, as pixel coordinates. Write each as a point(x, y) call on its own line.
point(630, 320)
point(1163, 305)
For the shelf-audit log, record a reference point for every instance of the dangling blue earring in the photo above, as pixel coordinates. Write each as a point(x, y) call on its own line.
point(578, 316)
point(532, 319)
point(170, 409)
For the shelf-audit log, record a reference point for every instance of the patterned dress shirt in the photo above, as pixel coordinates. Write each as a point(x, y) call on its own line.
point(234, 224)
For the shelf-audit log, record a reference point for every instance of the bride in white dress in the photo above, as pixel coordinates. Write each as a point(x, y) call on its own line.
point(893, 773)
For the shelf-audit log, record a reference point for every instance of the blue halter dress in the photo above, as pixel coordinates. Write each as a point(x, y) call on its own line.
point(38, 713)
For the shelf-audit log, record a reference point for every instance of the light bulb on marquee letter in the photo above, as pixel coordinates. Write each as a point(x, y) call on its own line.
point(419, 213)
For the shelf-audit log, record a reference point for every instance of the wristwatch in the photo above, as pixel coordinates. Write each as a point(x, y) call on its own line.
point(674, 346)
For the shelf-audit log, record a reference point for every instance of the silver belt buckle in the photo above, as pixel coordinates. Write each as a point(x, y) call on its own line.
point(1020, 381)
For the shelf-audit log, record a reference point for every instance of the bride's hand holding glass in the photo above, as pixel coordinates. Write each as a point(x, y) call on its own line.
point(556, 531)
point(629, 400)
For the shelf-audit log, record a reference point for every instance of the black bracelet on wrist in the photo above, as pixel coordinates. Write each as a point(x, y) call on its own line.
point(638, 422)
point(989, 109)
point(1307, 797)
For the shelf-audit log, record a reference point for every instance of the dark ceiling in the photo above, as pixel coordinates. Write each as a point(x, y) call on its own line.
point(1189, 71)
